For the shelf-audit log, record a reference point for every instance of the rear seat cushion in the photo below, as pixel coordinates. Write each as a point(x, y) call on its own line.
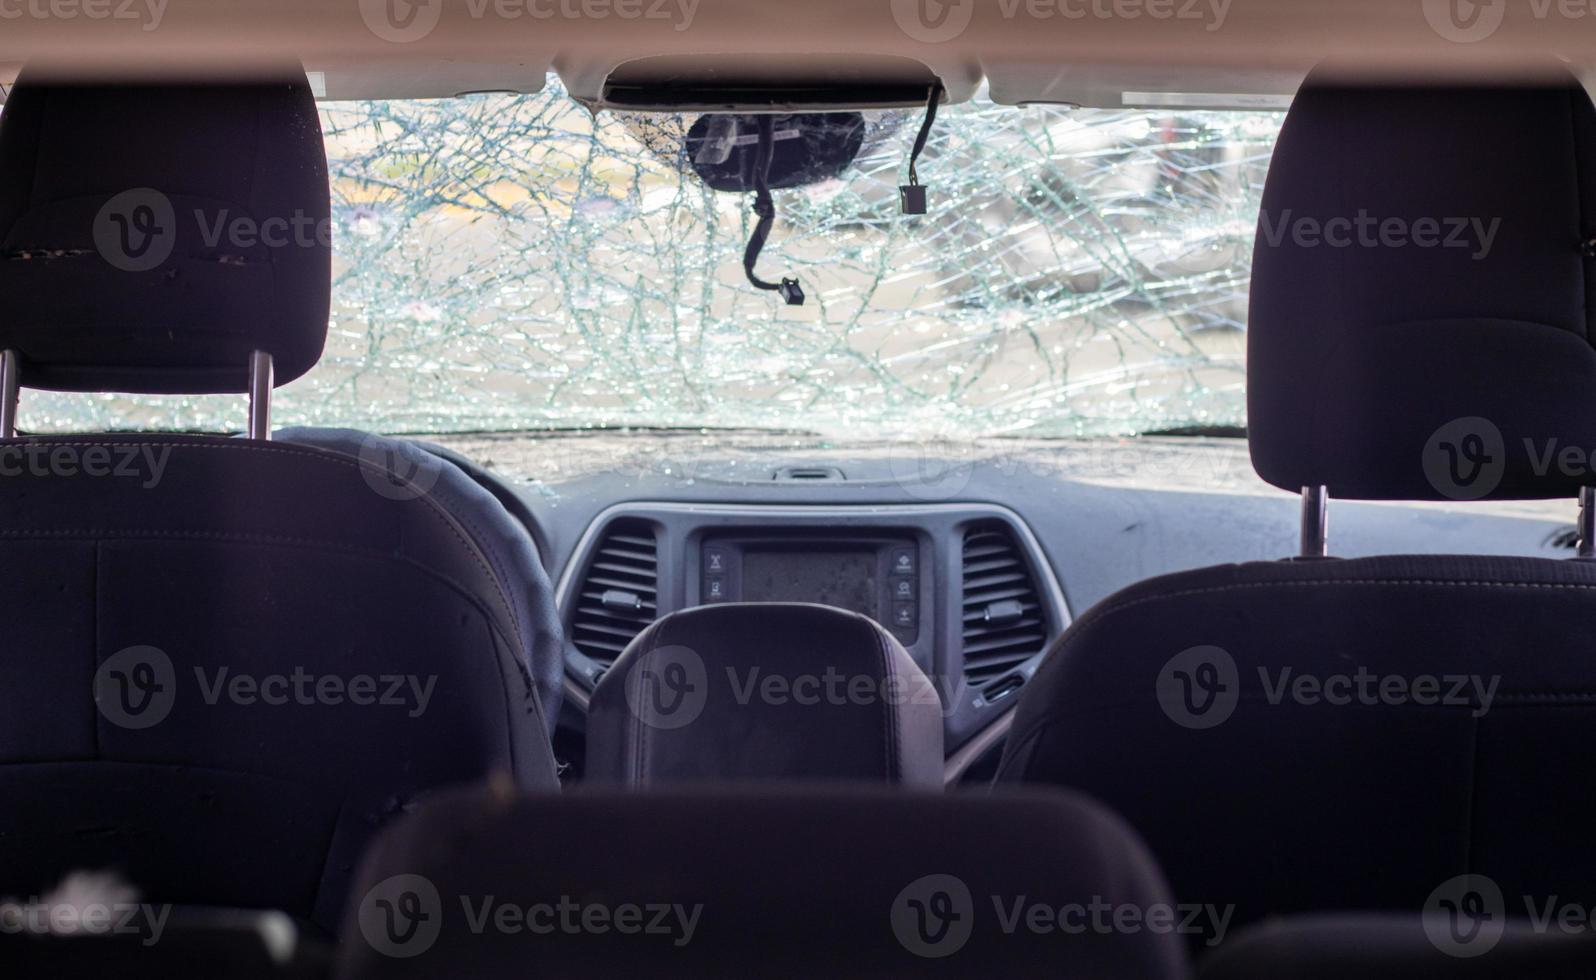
point(1399, 947)
point(779, 881)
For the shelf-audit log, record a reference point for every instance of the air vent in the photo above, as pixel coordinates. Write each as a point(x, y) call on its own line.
point(1004, 623)
point(620, 594)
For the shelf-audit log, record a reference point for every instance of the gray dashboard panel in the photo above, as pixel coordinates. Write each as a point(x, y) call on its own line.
point(1148, 515)
point(937, 530)
point(1098, 538)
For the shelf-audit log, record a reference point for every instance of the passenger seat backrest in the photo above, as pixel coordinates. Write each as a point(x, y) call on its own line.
point(1323, 735)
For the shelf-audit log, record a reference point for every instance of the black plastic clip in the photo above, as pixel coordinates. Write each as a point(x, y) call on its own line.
point(913, 194)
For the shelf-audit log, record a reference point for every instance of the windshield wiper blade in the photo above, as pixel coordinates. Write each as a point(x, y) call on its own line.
point(607, 430)
point(1201, 432)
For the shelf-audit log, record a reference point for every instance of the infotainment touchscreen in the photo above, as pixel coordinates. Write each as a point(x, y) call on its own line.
point(845, 579)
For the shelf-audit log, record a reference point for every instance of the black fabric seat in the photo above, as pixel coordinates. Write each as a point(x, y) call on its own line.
point(230, 665)
point(861, 882)
point(1399, 947)
point(170, 944)
point(404, 466)
point(764, 691)
point(1319, 735)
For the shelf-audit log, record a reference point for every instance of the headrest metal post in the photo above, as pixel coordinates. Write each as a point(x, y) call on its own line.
point(1587, 523)
point(1315, 521)
point(10, 392)
point(260, 395)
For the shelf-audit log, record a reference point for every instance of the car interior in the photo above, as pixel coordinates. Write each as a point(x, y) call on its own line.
point(860, 488)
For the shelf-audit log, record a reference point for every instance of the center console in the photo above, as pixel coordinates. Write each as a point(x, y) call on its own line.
point(965, 588)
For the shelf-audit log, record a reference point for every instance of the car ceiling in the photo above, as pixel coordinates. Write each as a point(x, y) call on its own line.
point(1222, 53)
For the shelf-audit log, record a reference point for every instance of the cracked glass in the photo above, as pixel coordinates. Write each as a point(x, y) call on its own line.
point(514, 263)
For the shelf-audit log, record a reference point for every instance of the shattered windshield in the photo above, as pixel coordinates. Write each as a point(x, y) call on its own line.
point(513, 263)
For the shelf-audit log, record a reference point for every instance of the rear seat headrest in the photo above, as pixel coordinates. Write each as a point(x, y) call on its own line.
point(153, 235)
point(788, 881)
point(773, 691)
point(1421, 321)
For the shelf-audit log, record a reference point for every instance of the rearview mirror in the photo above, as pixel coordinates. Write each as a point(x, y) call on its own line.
point(809, 148)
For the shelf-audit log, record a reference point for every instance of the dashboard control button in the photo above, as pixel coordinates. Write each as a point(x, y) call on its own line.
point(714, 560)
point(903, 561)
point(903, 615)
point(715, 589)
point(902, 588)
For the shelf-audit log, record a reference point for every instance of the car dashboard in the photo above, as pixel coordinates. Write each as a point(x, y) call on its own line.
point(974, 556)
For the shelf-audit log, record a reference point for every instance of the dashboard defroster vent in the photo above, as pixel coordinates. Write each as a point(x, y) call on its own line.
point(1004, 622)
point(619, 595)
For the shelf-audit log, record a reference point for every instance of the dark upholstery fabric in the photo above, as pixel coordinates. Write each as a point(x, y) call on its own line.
point(781, 882)
point(172, 944)
point(781, 691)
point(1253, 789)
point(231, 179)
point(503, 540)
point(1398, 947)
point(262, 560)
point(1374, 354)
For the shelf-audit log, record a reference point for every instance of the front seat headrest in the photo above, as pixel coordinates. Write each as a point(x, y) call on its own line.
point(1421, 323)
point(152, 236)
point(772, 691)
